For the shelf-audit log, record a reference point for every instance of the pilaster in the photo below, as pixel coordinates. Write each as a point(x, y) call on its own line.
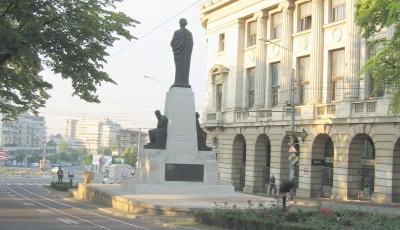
point(317, 52)
point(352, 54)
point(261, 18)
point(287, 42)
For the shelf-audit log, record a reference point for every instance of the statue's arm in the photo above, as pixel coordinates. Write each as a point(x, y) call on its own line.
point(165, 123)
point(173, 41)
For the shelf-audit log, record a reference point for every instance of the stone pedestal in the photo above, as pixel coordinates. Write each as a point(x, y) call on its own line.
point(181, 131)
point(180, 168)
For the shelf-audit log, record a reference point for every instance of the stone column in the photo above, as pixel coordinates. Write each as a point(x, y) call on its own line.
point(287, 42)
point(352, 53)
point(261, 18)
point(317, 51)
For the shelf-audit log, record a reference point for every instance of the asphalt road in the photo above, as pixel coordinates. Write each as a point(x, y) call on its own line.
point(26, 204)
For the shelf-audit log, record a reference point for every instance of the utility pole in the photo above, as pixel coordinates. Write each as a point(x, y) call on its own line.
point(43, 166)
point(293, 119)
point(138, 145)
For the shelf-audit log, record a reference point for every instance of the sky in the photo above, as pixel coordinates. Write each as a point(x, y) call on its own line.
point(134, 99)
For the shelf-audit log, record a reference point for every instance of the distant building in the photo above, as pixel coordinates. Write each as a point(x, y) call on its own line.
point(127, 138)
point(25, 135)
point(70, 129)
point(91, 134)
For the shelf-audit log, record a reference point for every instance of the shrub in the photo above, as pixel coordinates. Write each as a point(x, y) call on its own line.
point(274, 218)
point(62, 186)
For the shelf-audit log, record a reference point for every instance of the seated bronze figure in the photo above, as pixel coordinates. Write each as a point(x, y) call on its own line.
point(158, 136)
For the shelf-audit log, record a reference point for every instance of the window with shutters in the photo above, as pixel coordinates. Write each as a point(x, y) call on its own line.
point(251, 86)
point(251, 33)
point(303, 74)
point(218, 95)
point(221, 43)
point(338, 10)
point(305, 16)
point(337, 67)
point(275, 68)
point(276, 28)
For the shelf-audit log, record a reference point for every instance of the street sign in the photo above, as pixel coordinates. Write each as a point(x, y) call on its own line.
point(95, 159)
point(302, 134)
point(293, 158)
point(292, 149)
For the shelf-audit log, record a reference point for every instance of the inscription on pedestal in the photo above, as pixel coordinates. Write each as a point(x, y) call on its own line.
point(184, 172)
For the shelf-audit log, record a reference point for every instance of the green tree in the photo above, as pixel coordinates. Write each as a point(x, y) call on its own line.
point(63, 147)
point(105, 151)
point(55, 158)
point(130, 156)
point(87, 159)
point(19, 157)
point(384, 66)
point(34, 158)
point(70, 38)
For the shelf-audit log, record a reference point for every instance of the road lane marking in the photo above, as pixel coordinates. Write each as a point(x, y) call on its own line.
point(93, 213)
point(27, 204)
point(44, 211)
point(59, 211)
point(31, 184)
point(67, 221)
point(62, 220)
point(71, 221)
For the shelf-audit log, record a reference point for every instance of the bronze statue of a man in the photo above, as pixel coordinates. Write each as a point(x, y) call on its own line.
point(158, 136)
point(182, 45)
point(201, 136)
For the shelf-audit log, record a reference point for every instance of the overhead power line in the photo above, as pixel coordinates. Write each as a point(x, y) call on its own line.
point(157, 27)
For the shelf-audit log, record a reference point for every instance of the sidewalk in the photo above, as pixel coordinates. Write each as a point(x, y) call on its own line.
point(182, 204)
point(113, 196)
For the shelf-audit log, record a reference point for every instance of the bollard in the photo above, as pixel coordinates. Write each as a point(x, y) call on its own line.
point(284, 203)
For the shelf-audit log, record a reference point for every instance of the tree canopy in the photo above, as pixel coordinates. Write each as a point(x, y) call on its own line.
point(384, 66)
point(68, 37)
point(130, 156)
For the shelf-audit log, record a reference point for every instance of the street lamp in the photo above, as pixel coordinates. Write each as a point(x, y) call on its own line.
point(154, 79)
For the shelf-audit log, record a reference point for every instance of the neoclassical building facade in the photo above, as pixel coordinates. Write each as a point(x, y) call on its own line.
point(263, 53)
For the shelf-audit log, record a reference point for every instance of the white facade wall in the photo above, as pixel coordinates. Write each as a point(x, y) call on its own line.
point(249, 139)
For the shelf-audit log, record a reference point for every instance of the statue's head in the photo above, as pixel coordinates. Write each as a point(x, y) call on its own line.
point(197, 115)
point(158, 113)
point(183, 22)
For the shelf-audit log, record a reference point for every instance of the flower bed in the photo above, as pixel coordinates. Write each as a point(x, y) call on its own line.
point(276, 219)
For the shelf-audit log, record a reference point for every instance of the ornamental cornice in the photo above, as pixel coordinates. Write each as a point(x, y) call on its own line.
point(287, 5)
point(210, 6)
